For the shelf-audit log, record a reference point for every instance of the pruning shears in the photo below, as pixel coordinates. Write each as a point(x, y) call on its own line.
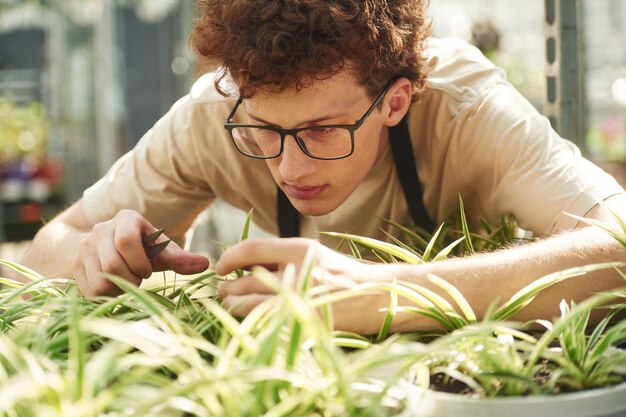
point(153, 249)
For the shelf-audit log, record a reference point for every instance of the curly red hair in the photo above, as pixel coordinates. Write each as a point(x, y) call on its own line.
point(275, 45)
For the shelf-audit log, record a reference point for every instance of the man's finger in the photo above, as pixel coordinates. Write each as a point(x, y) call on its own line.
point(262, 252)
point(242, 286)
point(132, 252)
point(127, 238)
point(80, 277)
point(111, 262)
point(93, 277)
point(242, 305)
point(176, 259)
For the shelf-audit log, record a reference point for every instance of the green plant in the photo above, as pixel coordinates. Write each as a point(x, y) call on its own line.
point(415, 245)
point(509, 361)
point(173, 350)
point(146, 353)
point(568, 357)
point(589, 357)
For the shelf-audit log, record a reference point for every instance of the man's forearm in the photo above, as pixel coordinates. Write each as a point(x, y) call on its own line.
point(52, 251)
point(496, 276)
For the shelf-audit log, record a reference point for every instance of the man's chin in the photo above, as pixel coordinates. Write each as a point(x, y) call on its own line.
point(312, 208)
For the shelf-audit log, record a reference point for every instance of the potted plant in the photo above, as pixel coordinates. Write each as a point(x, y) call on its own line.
point(172, 351)
point(495, 368)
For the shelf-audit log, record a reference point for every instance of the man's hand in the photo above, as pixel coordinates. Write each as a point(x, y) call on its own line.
point(360, 314)
point(115, 247)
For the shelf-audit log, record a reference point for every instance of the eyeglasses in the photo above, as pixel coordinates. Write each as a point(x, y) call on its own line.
point(326, 142)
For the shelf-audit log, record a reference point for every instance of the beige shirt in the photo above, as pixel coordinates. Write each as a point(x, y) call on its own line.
point(473, 135)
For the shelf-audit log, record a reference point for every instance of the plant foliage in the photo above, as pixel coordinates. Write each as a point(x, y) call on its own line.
point(174, 350)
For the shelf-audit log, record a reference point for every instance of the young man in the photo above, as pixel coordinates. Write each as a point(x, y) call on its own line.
point(354, 114)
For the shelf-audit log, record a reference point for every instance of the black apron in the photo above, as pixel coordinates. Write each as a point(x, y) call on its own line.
point(402, 150)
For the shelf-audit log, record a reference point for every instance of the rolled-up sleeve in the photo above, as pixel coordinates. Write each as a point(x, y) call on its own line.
point(516, 163)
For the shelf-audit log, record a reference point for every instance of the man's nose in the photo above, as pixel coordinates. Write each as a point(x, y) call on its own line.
point(294, 162)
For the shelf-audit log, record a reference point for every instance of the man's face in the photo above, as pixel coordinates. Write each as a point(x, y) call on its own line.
point(317, 187)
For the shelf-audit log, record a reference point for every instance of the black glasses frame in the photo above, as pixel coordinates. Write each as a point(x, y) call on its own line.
point(228, 125)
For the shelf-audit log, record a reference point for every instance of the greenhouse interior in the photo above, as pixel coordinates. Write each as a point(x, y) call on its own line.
point(83, 81)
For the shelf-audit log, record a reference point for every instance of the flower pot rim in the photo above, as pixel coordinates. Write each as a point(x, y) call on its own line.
point(587, 393)
point(599, 402)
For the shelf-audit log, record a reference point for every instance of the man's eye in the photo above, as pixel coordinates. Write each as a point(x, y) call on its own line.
point(323, 131)
point(265, 134)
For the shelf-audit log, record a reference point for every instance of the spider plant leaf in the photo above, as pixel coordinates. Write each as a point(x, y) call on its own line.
point(394, 240)
point(622, 274)
point(619, 235)
point(388, 248)
point(491, 308)
point(501, 328)
point(443, 254)
point(487, 241)
point(459, 376)
point(412, 234)
point(269, 347)
point(384, 257)
point(518, 384)
point(527, 294)
point(544, 341)
point(614, 360)
point(466, 233)
point(391, 313)
point(394, 287)
point(341, 334)
point(162, 300)
point(599, 329)
point(32, 275)
point(341, 295)
point(348, 342)
point(432, 313)
point(244, 236)
point(433, 299)
point(140, 296)
point(305, 277)
point(573, 339)
point(447, 322)
point(620, 221)
point(356, 253)
point(294, 346)
point(456, 295)
point(77, 355)
point(431, 244)
point(246, 226)
point(11, 283)
point(610, 337)
point(485, 224)
point(207, 277)
point(458, 320)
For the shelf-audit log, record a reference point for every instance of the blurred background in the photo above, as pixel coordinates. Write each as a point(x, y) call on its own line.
point(82, 80)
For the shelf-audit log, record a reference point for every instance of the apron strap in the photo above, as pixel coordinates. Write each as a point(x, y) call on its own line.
point(288, 221)
point(404, 159)
point(402, 150)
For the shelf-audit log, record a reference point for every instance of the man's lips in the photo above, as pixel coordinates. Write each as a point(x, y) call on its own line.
point(304, 193)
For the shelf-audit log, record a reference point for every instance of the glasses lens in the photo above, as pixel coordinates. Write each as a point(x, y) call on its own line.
point(326, 142)
point(257, 141)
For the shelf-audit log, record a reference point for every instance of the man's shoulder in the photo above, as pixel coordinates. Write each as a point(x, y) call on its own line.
point(202, 102)
point(203, 90)
point(459, 70)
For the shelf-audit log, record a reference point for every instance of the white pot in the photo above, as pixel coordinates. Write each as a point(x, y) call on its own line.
point(602, 402)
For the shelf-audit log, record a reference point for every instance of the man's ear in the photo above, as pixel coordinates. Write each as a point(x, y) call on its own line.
point(397, 101)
